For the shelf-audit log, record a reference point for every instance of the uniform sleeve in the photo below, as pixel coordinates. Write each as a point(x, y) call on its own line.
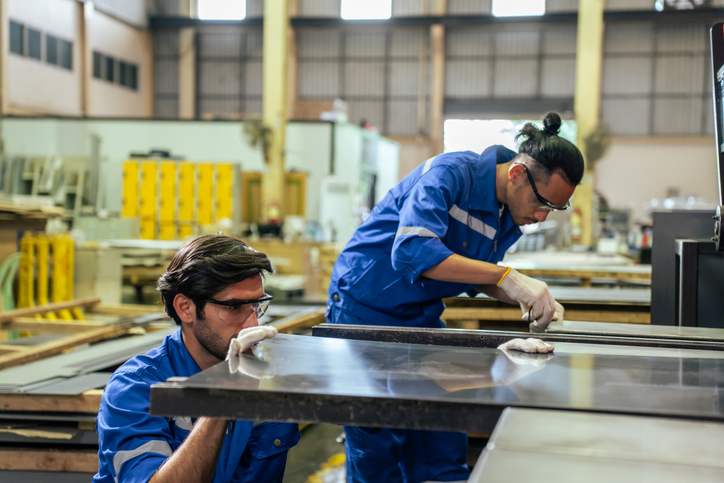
point(424, 218)
point(133, 444)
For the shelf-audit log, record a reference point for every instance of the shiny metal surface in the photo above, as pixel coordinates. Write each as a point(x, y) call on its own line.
point(649, 331)
point(438, 387)
point(628, 296)
point(576, 446)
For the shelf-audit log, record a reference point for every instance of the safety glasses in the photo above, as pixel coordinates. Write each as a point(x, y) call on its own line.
point(240, 310)
point(540, 198)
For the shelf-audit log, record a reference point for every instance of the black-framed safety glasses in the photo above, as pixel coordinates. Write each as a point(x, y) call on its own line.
point(240, 310)
point(540, 198)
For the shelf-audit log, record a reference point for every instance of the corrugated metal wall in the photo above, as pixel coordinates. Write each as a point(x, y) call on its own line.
point(656, 78)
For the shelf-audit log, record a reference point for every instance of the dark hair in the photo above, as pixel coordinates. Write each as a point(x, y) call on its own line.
point(207, 265)
point(550, 151)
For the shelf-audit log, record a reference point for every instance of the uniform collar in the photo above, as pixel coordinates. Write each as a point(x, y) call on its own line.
point(184, 365)
point(483, 195)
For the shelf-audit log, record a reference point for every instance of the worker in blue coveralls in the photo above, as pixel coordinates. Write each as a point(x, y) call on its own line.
point(441, 232)
point(213, 290)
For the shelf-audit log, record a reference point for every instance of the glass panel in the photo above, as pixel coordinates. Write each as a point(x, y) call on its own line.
point(97, 65)
point(51, 49)
point(109, 69)
point(34, 44)
point(16, 38)
point(66, 54)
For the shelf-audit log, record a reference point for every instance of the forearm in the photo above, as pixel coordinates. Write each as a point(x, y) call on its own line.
point(492, 290)
point(195, 460)
point(457, 268)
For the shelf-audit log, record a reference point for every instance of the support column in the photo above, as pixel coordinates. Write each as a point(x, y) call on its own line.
point(587, 108)
point(187, 64)
point(437, 84)
point(274, 105)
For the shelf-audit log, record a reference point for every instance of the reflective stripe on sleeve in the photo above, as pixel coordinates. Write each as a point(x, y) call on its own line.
point(428, 163)
point(154, 446)
point(473, 223)
point(183, 422)
point(416, 230)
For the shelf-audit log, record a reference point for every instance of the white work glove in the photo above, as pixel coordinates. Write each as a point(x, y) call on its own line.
point(533, 346)
point(537, 327)
point(247, 338)
point(531, 293)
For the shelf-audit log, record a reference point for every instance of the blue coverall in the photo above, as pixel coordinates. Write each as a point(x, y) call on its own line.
point(134, 444)
point(446, 205)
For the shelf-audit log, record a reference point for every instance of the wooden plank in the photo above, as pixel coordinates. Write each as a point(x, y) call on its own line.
point(88, 402)
point(585, 274)
point(25, 324)
point(77, 461)
point(32, 311)
point(58, 346)
point(12, 348)
point(307, 320)
point(125, 310)
point(514, 314)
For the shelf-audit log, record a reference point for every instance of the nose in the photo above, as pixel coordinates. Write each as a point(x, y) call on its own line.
point(540, 215)
point(251, 321)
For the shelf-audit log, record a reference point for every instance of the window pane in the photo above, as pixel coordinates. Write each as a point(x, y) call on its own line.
point(124, 69)
point(109, 69)
point(97, 65)
point(51, 49)
point(221, 9)
point(367, 9)
point(517, 8)
point(133, 77)
point(66, 54)
point(16, 38)
point(33, 44)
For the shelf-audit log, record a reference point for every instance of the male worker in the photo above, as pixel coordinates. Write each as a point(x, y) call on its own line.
point(440, 232)
point(213, 290)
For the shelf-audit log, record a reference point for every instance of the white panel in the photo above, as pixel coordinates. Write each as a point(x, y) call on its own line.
point(682, 38)
point(473, 42)
point(219, 78)
point(131, 11)
point(678, 116)
point(627, 75)
point(165, 77)
point(219, 106)
point(517, 42)
point(364, 45)
point(559, 40)
point(515, 78)
point(318, 80)
point(629, 5)
point(476, 7)
point(559, 77)
point(319, 8)
point(219, 45)
point(411, 8)
point(318, 44)
point(683, 75)
point(465, 79)
point(371, 111)
point(627, 38)
point(627, 117)
point(406, 43)
point(364, 78)
point(403, 78)
point(165, 42)
point(253, 74)
point(402, 118)
point(165, 108)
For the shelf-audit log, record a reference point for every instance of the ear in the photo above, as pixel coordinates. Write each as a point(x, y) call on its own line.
point(185, 308)
point(516, 172)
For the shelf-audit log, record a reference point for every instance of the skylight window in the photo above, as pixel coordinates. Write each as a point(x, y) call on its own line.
point(366, 9)
point(518, 8)
point(221, 9)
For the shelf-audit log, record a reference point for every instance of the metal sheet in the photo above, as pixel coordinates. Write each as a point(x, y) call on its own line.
point(631, 330)
point(600, 447)
point(436, 387)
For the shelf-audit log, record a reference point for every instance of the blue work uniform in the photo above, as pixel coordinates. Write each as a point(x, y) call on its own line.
point(134, 444)
point(446, 206)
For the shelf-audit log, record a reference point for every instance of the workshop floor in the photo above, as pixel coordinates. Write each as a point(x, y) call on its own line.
point(318, 458)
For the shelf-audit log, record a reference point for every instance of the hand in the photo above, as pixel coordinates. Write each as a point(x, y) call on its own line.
point(532, 346)
point(538, 327)
point(531, 293)
point(247, 338)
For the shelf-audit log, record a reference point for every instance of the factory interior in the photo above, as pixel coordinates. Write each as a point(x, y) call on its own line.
point(394, 314)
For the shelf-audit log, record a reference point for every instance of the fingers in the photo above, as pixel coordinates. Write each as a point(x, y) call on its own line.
point(532, 346)
point(248, 337)
point(559, 313)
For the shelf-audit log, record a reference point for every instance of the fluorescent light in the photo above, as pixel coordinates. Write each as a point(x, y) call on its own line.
point(366, 9)
point(518, 8)
point(221, 9)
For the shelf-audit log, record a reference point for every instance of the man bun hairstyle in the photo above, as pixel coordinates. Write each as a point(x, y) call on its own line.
point(550, 151)
point(207, 265)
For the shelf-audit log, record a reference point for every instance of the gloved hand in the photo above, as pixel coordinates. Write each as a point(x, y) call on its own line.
point(538, 327)
point(532, 346)
point(248, 337)
point(530, 293)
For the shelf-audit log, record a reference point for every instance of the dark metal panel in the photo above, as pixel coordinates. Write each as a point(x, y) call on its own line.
point(480, 107)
